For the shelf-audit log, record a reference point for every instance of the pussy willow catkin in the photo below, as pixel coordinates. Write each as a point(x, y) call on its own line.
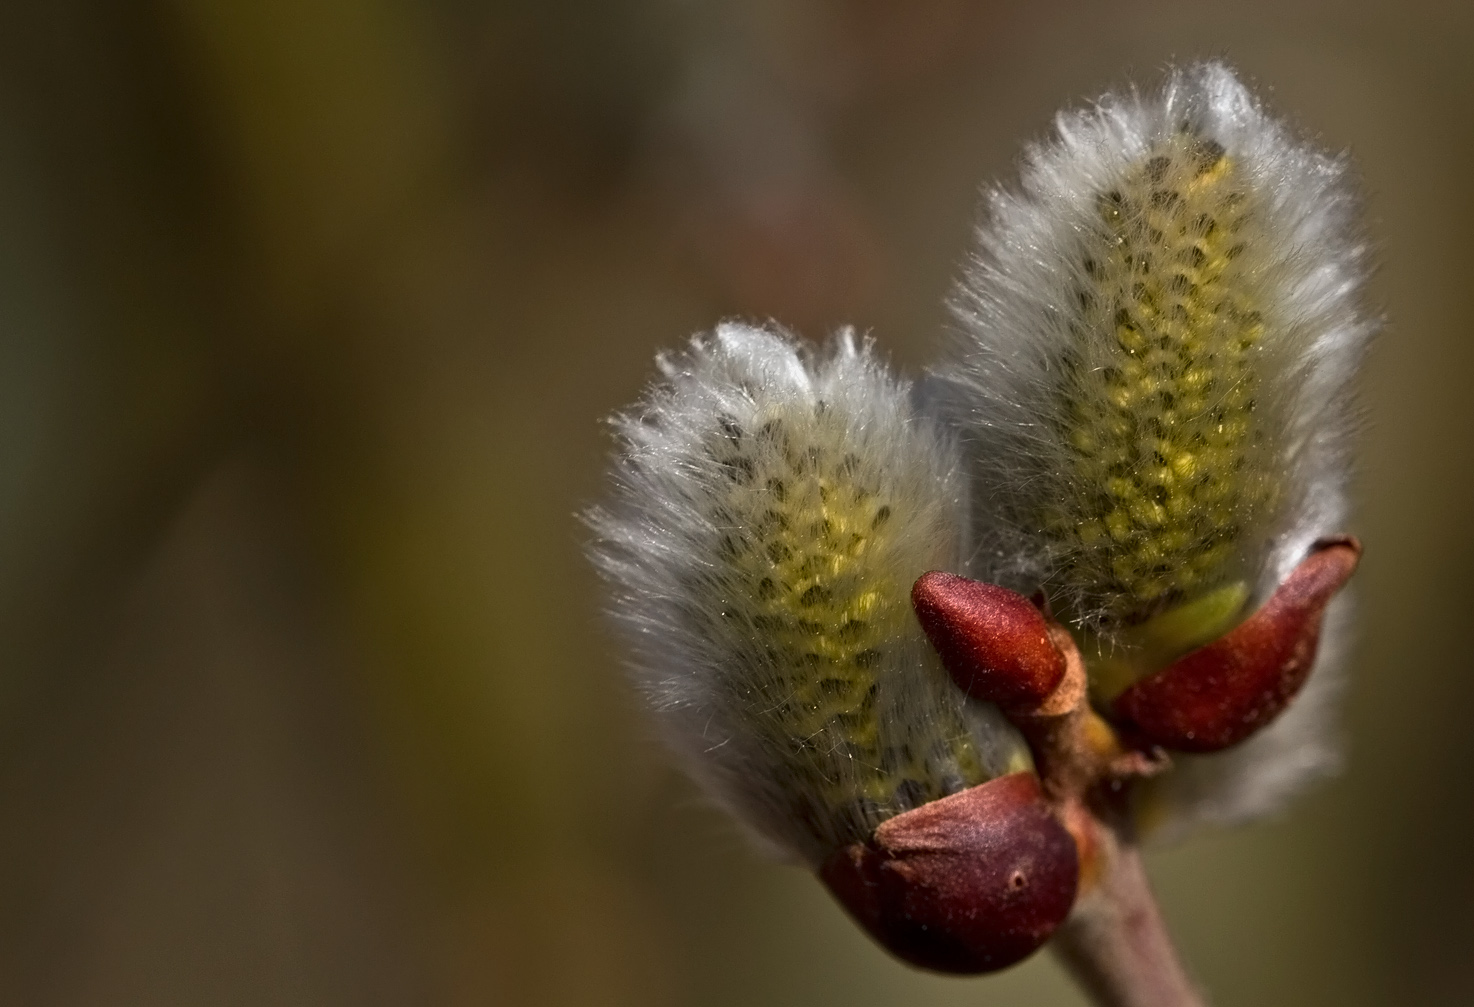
point(772, 510)
point(1156, 334)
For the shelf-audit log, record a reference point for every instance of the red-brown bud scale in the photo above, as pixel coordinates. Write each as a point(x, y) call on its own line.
point(1222, 693)
point(994, 642)
point(967, 884)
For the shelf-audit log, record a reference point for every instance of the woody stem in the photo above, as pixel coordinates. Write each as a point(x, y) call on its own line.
point(1115, 943)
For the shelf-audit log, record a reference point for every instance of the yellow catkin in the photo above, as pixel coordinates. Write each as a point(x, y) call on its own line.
point(1160, 411)
point(816, 559)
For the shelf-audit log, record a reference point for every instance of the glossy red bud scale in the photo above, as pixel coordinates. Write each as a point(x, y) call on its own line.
point(1222, 693)
point(994, 642)
point(971, 883)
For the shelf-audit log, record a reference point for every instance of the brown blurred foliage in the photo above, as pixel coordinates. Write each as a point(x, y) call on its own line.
point(308, 316)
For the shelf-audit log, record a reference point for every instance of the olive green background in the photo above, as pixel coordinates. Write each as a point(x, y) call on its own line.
point(309, 312)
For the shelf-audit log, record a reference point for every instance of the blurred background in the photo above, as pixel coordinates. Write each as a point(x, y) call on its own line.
point(309, 314)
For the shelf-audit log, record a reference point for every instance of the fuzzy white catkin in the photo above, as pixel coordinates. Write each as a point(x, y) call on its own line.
point(771, 509)
point(1156, 337)
point(1169, 264)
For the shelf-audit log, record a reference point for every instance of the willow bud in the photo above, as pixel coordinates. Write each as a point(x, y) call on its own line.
point(994, 642)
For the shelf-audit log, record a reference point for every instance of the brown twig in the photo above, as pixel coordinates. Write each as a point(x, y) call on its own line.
point(1114, 941)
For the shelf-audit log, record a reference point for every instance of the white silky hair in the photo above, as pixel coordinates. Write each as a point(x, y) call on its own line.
point(1018, 314)
point(771, 508)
